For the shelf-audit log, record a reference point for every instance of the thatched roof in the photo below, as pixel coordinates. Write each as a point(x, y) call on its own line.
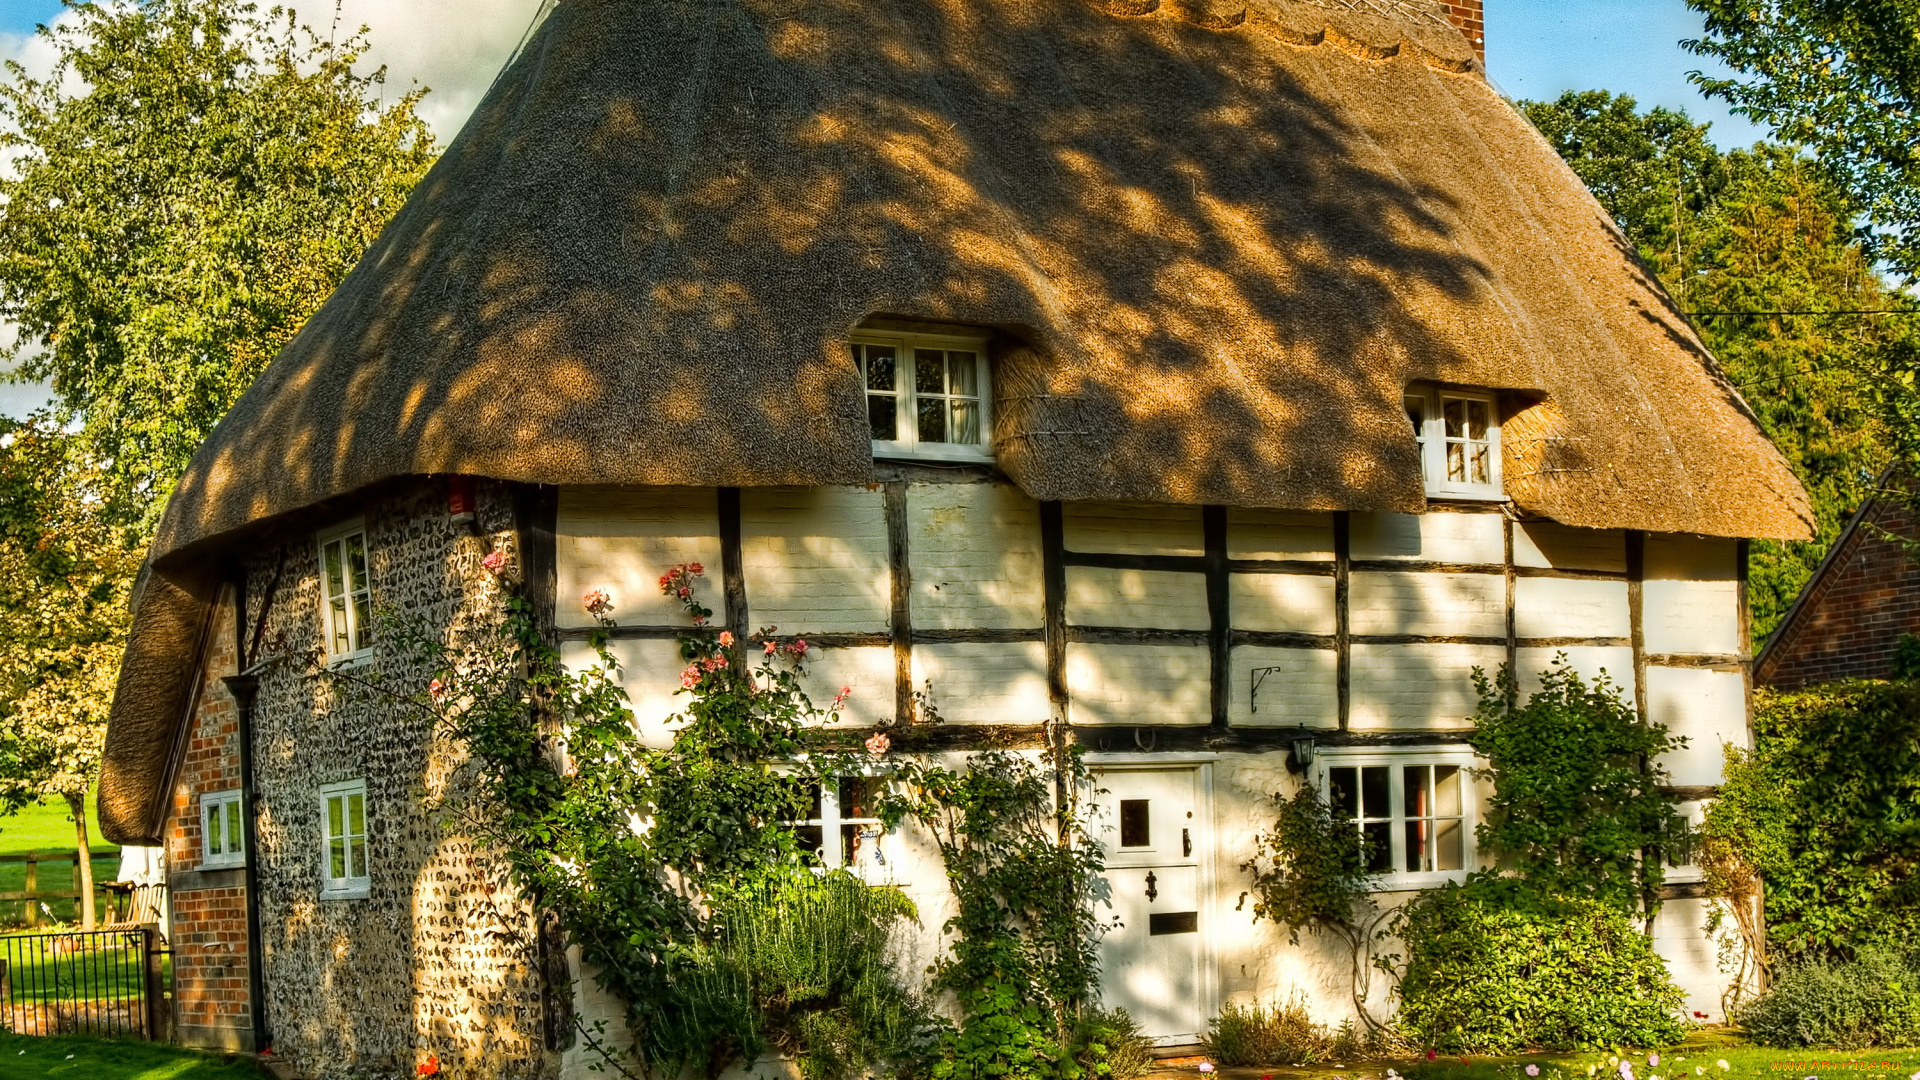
point(1216, 240)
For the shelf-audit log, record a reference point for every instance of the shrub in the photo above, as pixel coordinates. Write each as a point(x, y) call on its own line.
point(1822, 813)
point(1493, 969)
point(1256, 1034)
point(1109, 1045)
point(1872, 1000)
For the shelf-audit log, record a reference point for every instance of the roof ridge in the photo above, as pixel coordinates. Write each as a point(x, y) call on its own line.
point(1234, 14)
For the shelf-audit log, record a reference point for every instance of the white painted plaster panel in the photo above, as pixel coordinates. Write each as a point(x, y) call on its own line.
point(650, 672)
point(1299, 603)
point(1440, 537)
point(1673, 557)
point(1571, 607)
point(1279, 534)
point(1691, 616)
point(815, 559)
point(1564, 547)
point(1418, 686)
point(985, 684)
point(1138, 684)
point(1589, 661)
point(1157, 599)
point(866, 671)
point(623, 539)
point(1709, 708)
point(1304, 691)
point(1692, 959)
point(975, 552)
point(1133, 528)
point(1456, 605)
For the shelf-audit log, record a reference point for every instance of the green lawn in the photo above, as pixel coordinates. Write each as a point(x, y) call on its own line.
point(1696, 1059)
point(45, 826)
point(70, 1057)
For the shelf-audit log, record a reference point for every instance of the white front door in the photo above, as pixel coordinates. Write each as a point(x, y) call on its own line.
point(1156, 835)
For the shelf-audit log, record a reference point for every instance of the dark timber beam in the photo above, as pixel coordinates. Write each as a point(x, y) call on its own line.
point(1053, 573)
point(1342, 636)
point(733, 574)
point(1213, 522)
point(901, 574)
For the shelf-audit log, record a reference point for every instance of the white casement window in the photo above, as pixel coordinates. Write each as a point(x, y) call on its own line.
point(343, 847)
point(1413, 810)
point(841, 830)
point(927, 395)
point(346, 607)
point(223, 834)
point(1459, 436)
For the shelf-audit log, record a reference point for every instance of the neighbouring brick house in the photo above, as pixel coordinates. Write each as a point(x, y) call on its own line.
point(1209, 385)
point(1849, 618)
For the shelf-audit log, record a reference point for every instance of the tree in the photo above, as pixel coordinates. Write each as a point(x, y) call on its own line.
point(1759, 230)
point(188, 185)
point(190, 182)
point(1841, 77)
point(64, 575)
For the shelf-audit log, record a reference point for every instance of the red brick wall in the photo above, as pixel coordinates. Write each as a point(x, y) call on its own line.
point(208, 931)
point(1471, 19)
point(1857, 611)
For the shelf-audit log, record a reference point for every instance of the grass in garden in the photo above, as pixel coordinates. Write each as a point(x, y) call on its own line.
point(45, 827)
point(69, 1057)
point(1698, 1058)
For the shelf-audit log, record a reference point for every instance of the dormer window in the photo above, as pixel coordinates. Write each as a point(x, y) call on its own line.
point(1459, 436)
point(927, 395)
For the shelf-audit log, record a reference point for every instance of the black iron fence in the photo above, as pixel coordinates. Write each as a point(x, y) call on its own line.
point(102, 982)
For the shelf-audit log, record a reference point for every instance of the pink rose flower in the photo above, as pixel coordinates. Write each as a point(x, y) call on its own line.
point(726, 639)
point(436, 689)
point(597, 602)
point(799, 647)
point(879, 744)
point(772, 647)
point(1533, 1070)
point(841, 696)
point(495, 561)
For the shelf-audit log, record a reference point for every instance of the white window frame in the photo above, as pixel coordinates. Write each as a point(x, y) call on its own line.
point(357, 635)
point(1396, 879)
point(352, 886)
point(904, 412)
point(226, 808)
point(832, 853)
point(1431, 436)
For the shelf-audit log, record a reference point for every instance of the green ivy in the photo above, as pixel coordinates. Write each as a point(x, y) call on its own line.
point(1577, 805)
point(1023, 872)
point(1824, 812)
point(1308, 873)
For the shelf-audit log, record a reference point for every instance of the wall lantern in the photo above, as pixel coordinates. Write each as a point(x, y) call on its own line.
point(1301, 757)
point(460, 501)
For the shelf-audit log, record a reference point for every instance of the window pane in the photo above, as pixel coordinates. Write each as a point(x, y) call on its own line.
point(1446, 790)
point(1379, 841)
point(966, 422)
point(962, 368)
point(1419, 800)
point(337, 624)
point(337, 858)
point(1343, 794)
point(336, 581)
point(335, 821)
point(1449, 844)
point(810, 842)
point(215, 846)
point(356, 562)
point(883, 416)
point(856, 796)
point(356, 815)
point(879, 367)
point(929, 371)
point(812, 799)
point(1477, 463)
point(1419, 846)
point(1455, 412)
point(236, 836)
point(362, 621)
point(933, 419)
point(1374, 785)
point(1456, 461)
point(1136, 829)
point(849, 844)
point(1476, 419)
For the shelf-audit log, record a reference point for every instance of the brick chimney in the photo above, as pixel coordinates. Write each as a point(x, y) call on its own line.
point(1467, 15)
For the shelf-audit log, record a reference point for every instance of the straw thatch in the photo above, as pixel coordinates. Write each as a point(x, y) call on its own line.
point(1216, 240)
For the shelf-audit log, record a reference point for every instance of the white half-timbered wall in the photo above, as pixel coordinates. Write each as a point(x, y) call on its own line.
point(1218, 633)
